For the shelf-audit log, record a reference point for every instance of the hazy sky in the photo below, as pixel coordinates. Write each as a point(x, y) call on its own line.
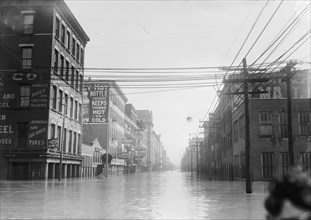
point(181, 34)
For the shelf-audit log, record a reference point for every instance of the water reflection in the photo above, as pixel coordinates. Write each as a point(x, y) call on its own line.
point(169, 195)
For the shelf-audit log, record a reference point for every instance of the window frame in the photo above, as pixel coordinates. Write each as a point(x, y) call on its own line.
point(54, 97)
point(24, 99)
point(26, 61)
point(28, 28)
point(265, 123)
point(267, 169)
point(304, 123)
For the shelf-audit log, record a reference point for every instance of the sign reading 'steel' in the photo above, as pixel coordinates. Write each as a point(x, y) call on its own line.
point(95, 102)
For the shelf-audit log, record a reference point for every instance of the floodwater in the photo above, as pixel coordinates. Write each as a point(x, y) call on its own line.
point(167, 195)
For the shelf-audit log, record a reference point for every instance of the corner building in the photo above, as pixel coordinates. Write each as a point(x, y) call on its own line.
point(41, 76)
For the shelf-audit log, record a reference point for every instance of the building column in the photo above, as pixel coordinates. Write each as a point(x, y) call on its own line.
point(53, 171)
point(46, 171)
point(69, 170)
point(65, 170)
point(78, 170)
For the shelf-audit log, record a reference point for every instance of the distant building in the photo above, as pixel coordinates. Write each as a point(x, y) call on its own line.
point(104, 107)
point(92, 164)
point(135, 134)
point(41, 76)
point(147, 120)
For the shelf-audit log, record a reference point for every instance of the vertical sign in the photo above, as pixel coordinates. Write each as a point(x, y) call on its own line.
point(95, 102)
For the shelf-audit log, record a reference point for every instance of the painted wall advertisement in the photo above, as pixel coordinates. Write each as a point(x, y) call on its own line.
point(95, 103)
point(24, 123)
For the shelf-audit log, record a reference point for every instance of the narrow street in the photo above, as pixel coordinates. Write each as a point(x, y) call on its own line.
point(167, 195)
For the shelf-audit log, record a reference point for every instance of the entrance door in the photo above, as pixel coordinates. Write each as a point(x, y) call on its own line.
point(20, 171)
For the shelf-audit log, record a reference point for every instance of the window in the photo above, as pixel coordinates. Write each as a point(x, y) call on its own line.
point(66, 104)
point(64, 140)
point(26, 57)
point(235, 131)
point(77, 80)
point(22, 133)
point(284, 162)
point(56, 55)
point(79, 143)
point(304, 121)
point(57, 22)
point(63, 36)
point(24, 95)
point(74, 142)
point(82, 56)
point(70, 142)
point(60, 101)
point(62, 65)
point(59, 135)
point(73, 47)
point(78, 53)
point(265, 121)
point(72, 75)
point(283, 132)
point(68, 40)
point(76, 109)
point(67, 71)
point(306, 161)
point(28, 23)
point(80, 112)
point(54, 97)
point(71, 107)
point(242, 127)
point(81, 83)
point(53, 132)
point(267, 163)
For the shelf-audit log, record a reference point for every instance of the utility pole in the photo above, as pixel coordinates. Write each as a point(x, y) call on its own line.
point(246, 80)
point(248, 177)
point(108, 133)
point(288, 77)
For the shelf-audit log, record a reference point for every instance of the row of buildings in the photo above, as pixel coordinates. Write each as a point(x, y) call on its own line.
point(220, 153)
point(53, 123)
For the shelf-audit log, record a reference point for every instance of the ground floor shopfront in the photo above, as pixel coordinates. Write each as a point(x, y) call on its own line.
point(42, 167)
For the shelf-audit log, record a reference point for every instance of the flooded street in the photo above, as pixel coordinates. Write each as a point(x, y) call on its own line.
point(167, 195)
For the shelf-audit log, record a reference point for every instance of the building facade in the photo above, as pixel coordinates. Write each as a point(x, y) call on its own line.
point(268, 130)
point(147, 120)
point(134, 140)
point(41, 59)
point(104, 116)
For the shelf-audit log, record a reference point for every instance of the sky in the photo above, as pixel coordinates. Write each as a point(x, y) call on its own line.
point(182, 34)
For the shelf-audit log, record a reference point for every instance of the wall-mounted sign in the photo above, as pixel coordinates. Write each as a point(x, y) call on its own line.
point(37, 133)
point(95, 103)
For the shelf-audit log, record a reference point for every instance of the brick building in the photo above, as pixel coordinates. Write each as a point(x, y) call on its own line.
point(41, 76)
point(268, 131)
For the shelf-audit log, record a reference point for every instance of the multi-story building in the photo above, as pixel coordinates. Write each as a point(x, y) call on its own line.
point(268, 130)
point(104, 107)
point(134, 134)
point(157, 155)
point(41, 72)
point(147, 120)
